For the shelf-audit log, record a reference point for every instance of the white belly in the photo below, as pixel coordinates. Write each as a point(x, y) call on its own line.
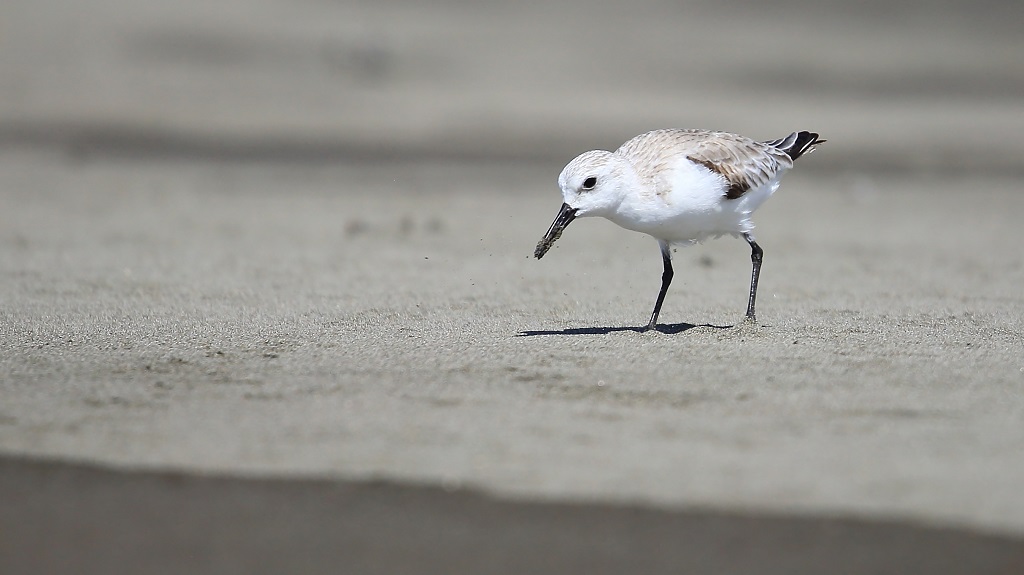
point(694, 209)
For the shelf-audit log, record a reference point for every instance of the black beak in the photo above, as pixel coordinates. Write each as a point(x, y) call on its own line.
point(565, 217)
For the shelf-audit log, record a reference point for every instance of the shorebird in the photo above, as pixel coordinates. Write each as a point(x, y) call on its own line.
point(680, 187)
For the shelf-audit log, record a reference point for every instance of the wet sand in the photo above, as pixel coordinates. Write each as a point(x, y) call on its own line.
point(250, 265)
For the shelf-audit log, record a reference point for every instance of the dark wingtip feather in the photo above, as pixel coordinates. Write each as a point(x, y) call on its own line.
point(803, 143)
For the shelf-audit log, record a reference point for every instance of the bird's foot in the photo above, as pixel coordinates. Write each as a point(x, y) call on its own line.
point(747, 325)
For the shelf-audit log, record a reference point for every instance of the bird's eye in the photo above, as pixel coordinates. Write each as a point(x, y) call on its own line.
point(589, 183)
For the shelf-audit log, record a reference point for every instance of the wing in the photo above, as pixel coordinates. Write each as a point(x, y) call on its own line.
point(743, 163)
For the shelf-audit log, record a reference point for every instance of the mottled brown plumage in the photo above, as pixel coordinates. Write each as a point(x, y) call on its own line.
point(745, 164)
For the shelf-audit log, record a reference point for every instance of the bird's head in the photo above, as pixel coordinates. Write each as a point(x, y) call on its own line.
point(593, 184)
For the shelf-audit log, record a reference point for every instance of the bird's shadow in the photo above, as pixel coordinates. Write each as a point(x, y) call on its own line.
point(666, 328)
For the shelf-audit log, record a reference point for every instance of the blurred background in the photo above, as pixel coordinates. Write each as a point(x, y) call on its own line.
point(903, 85)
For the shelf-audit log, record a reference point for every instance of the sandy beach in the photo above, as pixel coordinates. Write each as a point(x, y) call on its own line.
point(277, 271)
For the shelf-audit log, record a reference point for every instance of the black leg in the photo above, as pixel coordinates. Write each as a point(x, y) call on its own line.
point(756, 255)
point(666, 279)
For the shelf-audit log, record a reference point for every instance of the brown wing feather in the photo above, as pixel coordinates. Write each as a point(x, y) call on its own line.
point(744, 163)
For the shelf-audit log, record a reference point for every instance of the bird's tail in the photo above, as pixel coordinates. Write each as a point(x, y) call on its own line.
point(797, 143)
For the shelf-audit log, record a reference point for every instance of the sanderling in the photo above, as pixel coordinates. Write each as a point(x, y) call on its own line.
point(680, 187)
